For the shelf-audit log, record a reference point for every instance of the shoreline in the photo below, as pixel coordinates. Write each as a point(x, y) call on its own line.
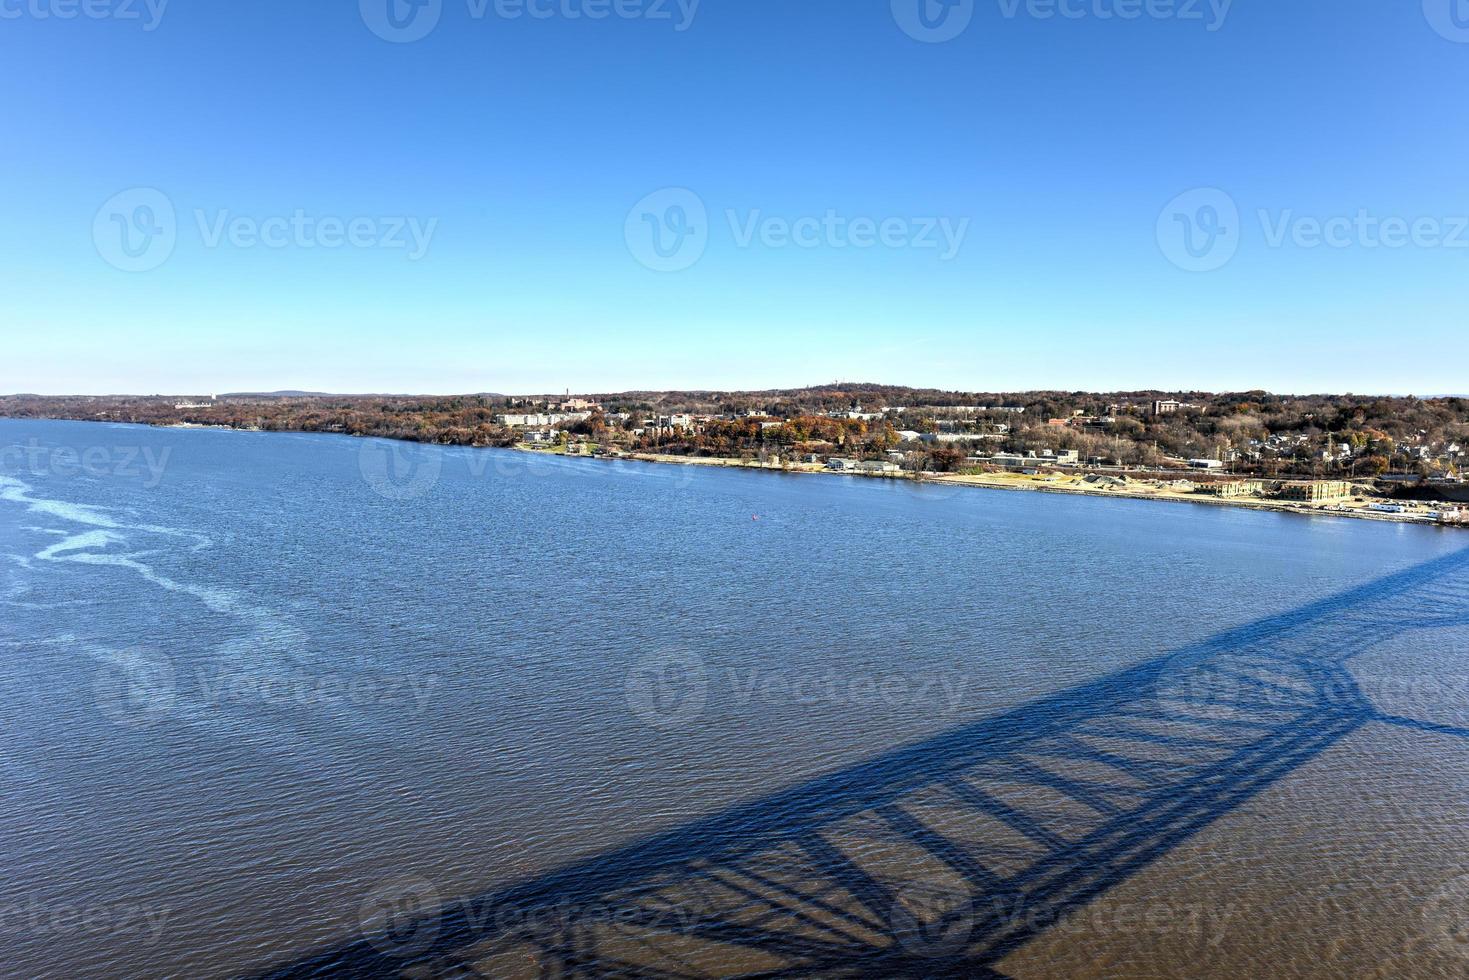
point(1018, 484)
point(1280, 507)
point(1008, 482)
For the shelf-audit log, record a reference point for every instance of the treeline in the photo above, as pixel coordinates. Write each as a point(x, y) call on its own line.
point(1254, 431)
point(750, 436)
point(447, 421)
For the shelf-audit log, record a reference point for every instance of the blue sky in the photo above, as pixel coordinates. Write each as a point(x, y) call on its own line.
point(1074, 161)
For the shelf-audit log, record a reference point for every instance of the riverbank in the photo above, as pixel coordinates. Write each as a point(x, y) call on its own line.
point(1357, 507)
point(1360, 508)
point(1071, 483)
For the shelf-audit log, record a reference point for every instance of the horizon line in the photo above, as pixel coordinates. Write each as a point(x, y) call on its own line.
point(832, 386)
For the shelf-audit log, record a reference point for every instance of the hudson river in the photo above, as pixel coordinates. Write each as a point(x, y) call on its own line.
point(279, 704)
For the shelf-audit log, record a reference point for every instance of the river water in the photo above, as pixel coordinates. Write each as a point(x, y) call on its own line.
point(294, 705)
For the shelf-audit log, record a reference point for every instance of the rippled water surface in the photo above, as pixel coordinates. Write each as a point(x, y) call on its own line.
point(307, 705)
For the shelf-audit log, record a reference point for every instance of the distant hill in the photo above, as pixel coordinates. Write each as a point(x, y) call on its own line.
point(342, 394)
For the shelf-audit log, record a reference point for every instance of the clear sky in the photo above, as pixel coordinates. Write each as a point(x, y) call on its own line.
point(218, 196)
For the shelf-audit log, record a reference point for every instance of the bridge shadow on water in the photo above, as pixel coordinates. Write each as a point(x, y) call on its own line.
point(942, 857)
